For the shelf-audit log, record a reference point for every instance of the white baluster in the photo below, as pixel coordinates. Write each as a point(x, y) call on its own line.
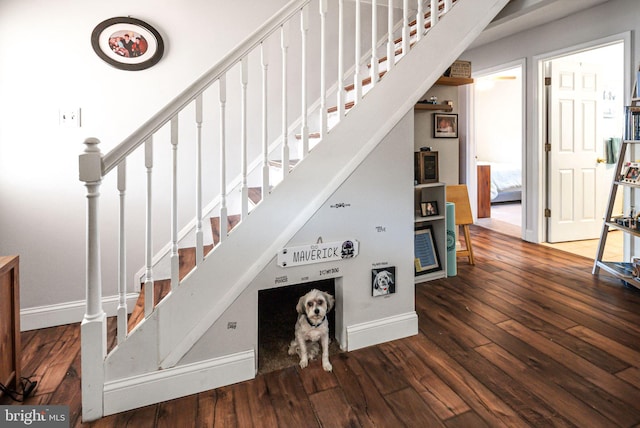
point(284, 39)
point(405, 27)
point(265, 140)
point(304, 128)
point(357, 81)
point(434, 12)
point(175, 259)
point(244, 189)
point(391, 48)
point(419, 22)
point(340, 89)
point(199, 234)
point(374, 41)
point(148, 274)
point(447, 5)
point(323, 67)
point(94, 323)
point(121, 315)
point(224, 226)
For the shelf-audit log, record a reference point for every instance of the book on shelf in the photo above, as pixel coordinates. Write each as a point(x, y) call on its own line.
point(632, 121)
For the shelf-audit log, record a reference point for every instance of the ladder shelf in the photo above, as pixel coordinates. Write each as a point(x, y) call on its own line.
point(629, 178)
point(623, 270)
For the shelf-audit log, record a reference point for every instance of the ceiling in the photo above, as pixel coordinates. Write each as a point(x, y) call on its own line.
point(520, 15)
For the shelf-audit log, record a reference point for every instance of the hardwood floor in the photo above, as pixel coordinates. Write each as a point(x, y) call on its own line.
point(526, 337)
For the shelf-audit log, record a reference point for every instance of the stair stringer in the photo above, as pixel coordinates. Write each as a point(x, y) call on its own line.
point(203, 296)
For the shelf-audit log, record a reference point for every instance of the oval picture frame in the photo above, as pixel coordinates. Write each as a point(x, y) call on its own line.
point(127, 43)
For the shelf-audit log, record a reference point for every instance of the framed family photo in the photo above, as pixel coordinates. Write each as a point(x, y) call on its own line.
point(429, 208)
point(127, 43)
point(445, 125)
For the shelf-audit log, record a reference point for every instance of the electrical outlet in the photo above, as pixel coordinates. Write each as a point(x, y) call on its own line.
point(70, 118)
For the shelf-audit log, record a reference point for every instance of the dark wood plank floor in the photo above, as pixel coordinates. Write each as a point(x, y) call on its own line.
point(526, 337)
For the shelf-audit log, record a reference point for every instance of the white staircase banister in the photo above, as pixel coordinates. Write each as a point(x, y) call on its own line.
point(157, 121)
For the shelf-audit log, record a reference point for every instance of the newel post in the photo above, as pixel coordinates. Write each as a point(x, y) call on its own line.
point(94, 325)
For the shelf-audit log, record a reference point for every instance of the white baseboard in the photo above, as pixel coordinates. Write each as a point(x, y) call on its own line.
point(142, 390)
point(382, 330)
point(67, 313)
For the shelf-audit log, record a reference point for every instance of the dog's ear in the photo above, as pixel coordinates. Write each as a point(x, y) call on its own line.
point(390, 278)
point(330, 301)
point(300, 305)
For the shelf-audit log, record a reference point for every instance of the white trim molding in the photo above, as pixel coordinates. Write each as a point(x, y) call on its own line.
point(142, 390)
point(68, 312)
point(382, 330)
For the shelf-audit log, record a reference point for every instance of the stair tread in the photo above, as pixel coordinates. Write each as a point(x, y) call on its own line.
point(160, 289)
point(311, 135)
point(255, 194)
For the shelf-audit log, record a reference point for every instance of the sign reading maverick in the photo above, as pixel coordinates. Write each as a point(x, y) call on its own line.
point(318, 253)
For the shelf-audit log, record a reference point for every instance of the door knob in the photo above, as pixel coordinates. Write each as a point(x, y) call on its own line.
point(601, 160)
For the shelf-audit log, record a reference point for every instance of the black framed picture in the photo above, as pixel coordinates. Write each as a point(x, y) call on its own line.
point(429, 208)
point(383, 281)
point(445, 125)
point(427, 258)
point(426, 167)
point(127, 43)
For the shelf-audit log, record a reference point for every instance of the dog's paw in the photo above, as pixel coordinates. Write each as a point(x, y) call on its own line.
point(304, 363)
point(326, 365)
point(293, 348)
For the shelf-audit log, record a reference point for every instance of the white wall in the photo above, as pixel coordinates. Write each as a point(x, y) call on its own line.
point(612, 18)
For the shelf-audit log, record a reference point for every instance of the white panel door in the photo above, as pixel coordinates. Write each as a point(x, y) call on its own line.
point(577, 181)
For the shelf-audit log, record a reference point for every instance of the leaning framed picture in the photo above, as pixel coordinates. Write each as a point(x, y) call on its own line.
point(427, 258)
point(425, 167)
point(445, 125)
point(127, 43)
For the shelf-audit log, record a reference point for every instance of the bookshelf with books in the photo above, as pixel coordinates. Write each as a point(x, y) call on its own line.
point(627, 176)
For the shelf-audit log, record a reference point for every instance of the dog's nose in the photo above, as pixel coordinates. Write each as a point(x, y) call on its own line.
point(317, 311)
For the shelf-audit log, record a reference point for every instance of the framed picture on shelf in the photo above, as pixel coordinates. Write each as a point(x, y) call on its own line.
point(429, 208)
point(631, 173)
point(426, 167)
point(445, 125)
point(425, 250)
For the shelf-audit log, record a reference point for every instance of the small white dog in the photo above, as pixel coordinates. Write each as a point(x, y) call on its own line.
point(312, 327)
point(382, 283)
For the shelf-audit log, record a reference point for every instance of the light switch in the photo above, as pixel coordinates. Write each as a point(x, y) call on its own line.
point(70, 118)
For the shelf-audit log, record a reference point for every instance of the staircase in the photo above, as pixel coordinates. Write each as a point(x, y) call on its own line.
point(146, 365)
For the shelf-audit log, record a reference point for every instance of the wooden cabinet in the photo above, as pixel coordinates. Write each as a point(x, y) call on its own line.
point(9, 322)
